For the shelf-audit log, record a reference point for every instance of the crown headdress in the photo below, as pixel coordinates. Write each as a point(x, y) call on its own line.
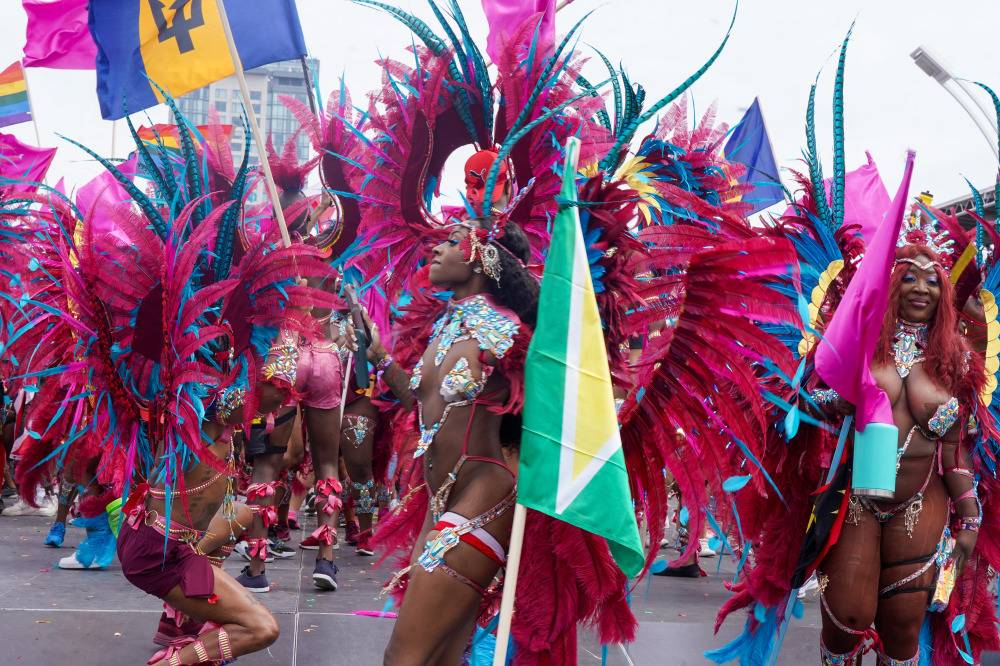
point(921, 228)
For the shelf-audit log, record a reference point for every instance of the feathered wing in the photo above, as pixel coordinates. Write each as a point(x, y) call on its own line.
point(700, 413)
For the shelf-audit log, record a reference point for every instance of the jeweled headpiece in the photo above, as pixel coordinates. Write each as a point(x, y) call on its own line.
point(920, 228)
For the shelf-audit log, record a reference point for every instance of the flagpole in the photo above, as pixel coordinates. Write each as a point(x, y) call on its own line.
point(510, 584)
point(255, 129)
point(31, 106)
point(307, 76)
point(114, 139)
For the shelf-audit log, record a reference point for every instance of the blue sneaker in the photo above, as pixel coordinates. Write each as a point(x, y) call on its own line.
point(252, 583)
point(325, 575)
point(56, 535)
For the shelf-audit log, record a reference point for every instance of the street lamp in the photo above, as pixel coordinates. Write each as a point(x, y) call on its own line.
point(933, 68)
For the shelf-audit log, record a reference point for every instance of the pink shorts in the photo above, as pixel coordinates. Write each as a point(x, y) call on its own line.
point(319, 378)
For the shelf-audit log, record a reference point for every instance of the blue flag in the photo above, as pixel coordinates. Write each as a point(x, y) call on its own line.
point(749, 145)
point(181, 45)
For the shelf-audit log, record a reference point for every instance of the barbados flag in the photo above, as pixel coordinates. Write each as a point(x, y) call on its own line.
point(572, 466)
point(181, 45)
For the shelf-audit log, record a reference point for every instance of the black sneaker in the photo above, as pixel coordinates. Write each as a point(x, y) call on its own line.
point(325, 575)
point(279, 549)
point(309, 505)
point(687, 571)
point(253, 583)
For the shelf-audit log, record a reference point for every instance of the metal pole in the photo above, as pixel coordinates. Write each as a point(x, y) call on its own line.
point(987, 113)
point(307, 76)
point(983, 129)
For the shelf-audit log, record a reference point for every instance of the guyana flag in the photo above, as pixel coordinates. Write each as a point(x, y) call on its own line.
point(572, 466)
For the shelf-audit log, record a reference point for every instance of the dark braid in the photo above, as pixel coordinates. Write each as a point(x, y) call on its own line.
point(518, 289)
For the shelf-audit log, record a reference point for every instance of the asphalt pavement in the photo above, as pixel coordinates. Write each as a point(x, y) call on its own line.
point(95, 618)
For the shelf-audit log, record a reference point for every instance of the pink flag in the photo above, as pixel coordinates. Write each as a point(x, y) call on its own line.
point(506, 16)
point(844, 356)
point(97, 199)
point(58, 36)
point(865, 198)
point(21, 162)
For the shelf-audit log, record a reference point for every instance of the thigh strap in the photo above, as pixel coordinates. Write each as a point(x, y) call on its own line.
point(478, 538)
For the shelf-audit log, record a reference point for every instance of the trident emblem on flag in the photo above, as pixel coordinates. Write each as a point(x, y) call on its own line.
point(188, 16)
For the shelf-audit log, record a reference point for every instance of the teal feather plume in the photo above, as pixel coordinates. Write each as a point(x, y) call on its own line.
point(482, 77)
point(602, 113)
point(624, 136)
point(616, 89)
point(839, 169)
point(815, 166)
point(144, 202)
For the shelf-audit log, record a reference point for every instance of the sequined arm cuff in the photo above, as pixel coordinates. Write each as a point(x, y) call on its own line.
point(283, 361)
point(824, 397)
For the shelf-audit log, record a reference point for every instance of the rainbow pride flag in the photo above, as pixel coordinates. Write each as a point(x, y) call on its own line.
point(14, 106)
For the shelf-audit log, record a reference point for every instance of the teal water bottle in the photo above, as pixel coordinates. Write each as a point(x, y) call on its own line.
point(874, 473)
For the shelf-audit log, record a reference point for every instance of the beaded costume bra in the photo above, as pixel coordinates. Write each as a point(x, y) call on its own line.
point(474, 318)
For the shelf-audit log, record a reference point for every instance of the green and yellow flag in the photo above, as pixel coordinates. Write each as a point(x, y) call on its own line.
point(572, 466)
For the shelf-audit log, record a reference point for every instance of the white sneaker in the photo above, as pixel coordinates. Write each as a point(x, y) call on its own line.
point(704, 549)
point(46, 507)
point(70, 562)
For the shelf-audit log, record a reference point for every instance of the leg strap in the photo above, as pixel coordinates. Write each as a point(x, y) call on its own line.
point(328, 495)
point(885, 660)
point(324, 534)
point(225, 647)
point(257, 548)
point(268, 514)
point(364, 502)
point(828, 658)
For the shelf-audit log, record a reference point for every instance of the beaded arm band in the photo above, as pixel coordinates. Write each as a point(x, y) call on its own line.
point(824, 396)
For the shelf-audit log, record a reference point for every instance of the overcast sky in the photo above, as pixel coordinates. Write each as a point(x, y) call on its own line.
point(777, 48)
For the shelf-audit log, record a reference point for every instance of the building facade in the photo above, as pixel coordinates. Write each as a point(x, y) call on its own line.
point(267, 84)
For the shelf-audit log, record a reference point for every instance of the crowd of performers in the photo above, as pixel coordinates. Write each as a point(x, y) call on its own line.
point(194, 384)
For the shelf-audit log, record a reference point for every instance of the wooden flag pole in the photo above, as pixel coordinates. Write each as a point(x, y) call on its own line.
point(31, 106)
point(255, 129)
point(510, 584)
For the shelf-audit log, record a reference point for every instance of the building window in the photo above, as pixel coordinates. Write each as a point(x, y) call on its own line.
point(255, 95)
point(220, 93)
point(220, 106)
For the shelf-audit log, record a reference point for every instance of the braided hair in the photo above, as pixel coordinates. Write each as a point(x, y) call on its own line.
point(517, 289)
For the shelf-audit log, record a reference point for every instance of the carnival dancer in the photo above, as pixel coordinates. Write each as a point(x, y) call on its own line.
point(889, 549)
point(174, 334)
point(459, 385)
point(903, 569)
point(358, 434)
point(265, 448)
point(713, 278)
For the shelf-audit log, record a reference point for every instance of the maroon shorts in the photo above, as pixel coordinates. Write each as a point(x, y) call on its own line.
point(156, 571)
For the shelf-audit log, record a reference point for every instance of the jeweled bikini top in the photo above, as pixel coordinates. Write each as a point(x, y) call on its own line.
point(474, 318)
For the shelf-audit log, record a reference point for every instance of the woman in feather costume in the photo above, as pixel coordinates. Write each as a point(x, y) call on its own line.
point(712, 280)
point(926, 547)
point(168, 329)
